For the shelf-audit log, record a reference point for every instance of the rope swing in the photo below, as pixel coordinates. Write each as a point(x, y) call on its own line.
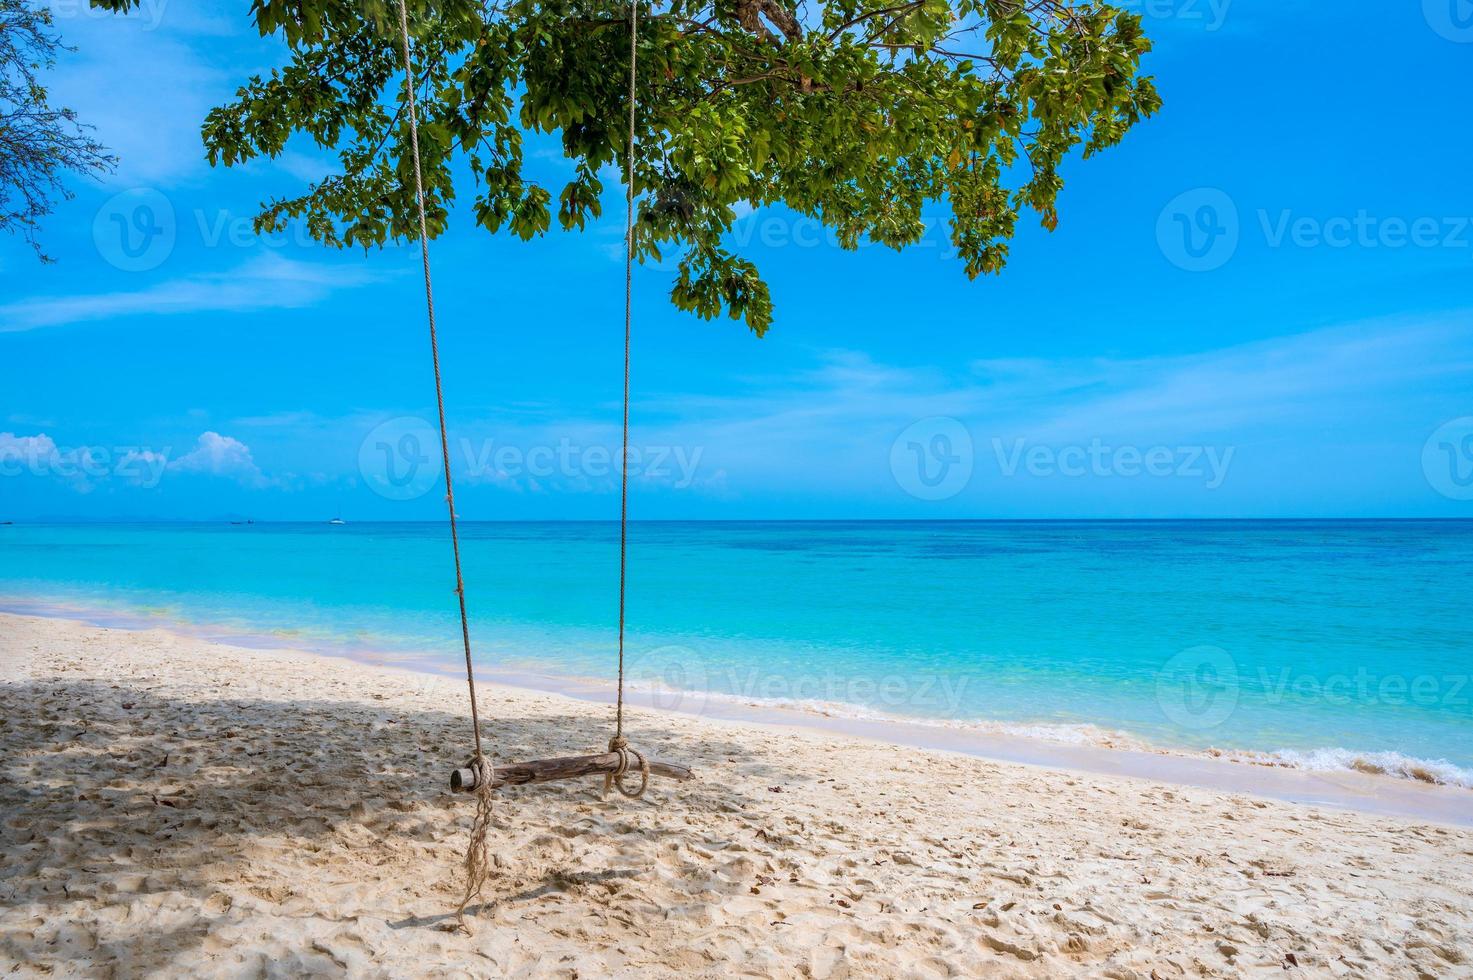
point(479, 775)
point(619, 743)
point(477, 857)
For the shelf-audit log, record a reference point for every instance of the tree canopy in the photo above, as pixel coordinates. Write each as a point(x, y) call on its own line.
point(857, 113)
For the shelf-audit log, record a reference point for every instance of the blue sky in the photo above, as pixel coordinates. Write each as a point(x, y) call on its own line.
point(1259, 305)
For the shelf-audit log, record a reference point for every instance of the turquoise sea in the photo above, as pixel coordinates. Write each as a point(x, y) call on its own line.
point(1330, 644)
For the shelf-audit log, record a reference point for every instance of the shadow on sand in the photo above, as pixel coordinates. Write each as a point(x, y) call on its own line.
point(117, 797)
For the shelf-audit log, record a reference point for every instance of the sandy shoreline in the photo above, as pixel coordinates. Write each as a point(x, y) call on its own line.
point(172, 805)
point(1104, 752)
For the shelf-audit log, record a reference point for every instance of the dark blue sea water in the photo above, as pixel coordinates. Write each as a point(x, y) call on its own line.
point(1330, 643)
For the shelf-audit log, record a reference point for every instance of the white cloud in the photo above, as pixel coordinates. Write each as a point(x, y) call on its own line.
point(82, 468)
point(217, 455)
point(142, 467)
point(40, 456)
point(294, 419)
point(268, 282)
point(1319, 375)
point(22, 418)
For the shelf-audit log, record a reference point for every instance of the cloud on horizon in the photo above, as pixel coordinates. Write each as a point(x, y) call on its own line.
point(217, 455)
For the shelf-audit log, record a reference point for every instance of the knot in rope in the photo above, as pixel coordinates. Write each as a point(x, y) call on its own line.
point(615, 779)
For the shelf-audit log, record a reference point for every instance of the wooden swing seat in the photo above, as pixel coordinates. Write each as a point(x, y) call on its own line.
point(463, 780)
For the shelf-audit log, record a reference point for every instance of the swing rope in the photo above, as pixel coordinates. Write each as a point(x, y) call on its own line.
point(477, 857)
point(619, 743)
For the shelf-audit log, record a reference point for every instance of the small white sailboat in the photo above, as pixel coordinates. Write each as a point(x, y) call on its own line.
point(338, 520)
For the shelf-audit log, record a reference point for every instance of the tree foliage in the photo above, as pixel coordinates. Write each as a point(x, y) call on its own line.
point(855, 112)
point(39, 143)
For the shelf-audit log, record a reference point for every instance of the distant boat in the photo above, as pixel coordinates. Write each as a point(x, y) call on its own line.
point(337, 520)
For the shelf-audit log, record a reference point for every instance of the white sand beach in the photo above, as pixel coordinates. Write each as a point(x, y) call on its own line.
point(173, 806)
